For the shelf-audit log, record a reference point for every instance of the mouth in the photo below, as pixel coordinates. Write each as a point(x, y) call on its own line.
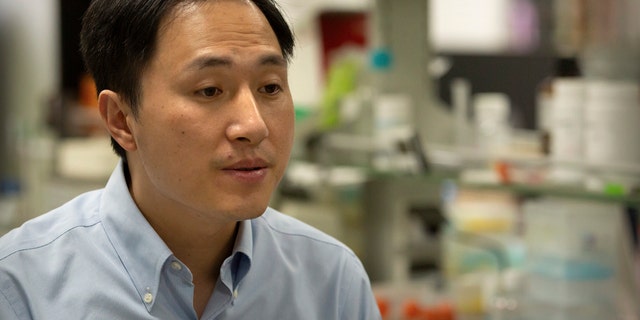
point(247, 169)
point(248, 165)
point(251, 171)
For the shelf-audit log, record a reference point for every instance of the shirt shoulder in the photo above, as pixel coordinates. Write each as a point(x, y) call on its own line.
point(286, 237)
point(82, 211)
point(287, 228)
point(308, 267)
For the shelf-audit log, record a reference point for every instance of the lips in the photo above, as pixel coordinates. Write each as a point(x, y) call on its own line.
point(248, 172)
point(248, 165)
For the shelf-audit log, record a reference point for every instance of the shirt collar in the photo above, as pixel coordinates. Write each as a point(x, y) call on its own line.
point(138, 246)
point(244, 239)
point(141, 250)
point(242, 253)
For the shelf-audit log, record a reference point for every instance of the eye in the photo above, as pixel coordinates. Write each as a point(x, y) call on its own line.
point(271, 89)
point(209, 92)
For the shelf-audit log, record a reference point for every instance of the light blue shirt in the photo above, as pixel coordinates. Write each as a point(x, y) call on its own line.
point(96, 257)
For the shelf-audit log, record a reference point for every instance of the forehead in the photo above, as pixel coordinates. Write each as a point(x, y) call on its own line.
point(215, 22)
point(234, 30)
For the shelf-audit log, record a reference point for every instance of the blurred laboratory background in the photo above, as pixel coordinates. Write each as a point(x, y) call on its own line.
point(482, 157)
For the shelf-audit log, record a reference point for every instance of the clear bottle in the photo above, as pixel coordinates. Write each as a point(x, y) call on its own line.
point(370, 84)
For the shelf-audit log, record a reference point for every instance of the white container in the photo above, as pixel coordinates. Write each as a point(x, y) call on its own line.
point(591, 297)
point(567, 126)
point(572, 230)
point(392, 117)
point(567, 118)
point(612, 122)
point(491, 119)
point(588, 288)
point(572, 256)
point(612, 128)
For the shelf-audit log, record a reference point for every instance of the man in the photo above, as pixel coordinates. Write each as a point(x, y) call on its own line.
point(195, 97)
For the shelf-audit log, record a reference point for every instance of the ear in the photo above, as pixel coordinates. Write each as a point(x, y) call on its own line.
point(117, 117)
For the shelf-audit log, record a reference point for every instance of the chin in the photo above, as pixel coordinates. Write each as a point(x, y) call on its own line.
point(241, 207)
point(248, 212)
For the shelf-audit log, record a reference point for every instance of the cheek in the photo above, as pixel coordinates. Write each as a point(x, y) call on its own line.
point(282, 128)
point(194, 132)
point(172, 133)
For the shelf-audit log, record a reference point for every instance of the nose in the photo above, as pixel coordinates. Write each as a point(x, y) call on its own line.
point(248, 125)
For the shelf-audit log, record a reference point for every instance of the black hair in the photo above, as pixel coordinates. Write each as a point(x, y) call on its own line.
point(118, 39)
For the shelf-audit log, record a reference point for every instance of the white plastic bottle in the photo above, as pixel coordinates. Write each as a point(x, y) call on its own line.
point(491, 118)
point(567, 127)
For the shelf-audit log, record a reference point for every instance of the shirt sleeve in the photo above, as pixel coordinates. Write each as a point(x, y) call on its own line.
point(359, 302)
point(6, 309)
point(12, 305)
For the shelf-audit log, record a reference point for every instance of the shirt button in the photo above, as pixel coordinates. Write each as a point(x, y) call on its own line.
point(175, 265)
point(148, 298)
point(235, 293)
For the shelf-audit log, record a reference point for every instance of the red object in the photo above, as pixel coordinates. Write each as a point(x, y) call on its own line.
point(383, 305)
point(411, 310)
point(341, 28)
point(503, 170)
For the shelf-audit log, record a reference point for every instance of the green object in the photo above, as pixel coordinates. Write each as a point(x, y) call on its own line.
point(614, 189)
point(345, 76)
point(302, 113)
point(341, 80)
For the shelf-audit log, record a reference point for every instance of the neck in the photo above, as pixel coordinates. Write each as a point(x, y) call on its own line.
point(201, 245)
point(200, 241)
point(203, 248)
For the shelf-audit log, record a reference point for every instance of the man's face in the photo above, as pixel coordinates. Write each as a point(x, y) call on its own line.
point(215, 127)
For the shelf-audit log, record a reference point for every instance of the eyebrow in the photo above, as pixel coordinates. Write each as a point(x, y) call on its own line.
point(273, 59)
point(208, 62)
point(211, 61)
